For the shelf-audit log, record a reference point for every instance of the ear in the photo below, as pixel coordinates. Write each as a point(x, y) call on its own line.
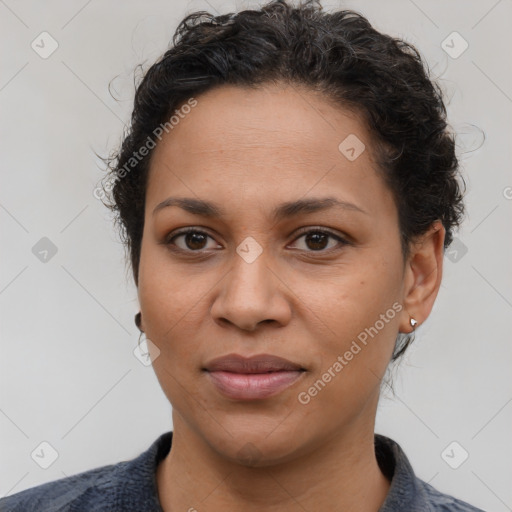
point(138, 321)
point(422, 276)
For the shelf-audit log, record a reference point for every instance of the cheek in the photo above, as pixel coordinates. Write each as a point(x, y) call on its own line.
point(167, 299)
point(170, 306)
point(352, 298)
point(355, 315)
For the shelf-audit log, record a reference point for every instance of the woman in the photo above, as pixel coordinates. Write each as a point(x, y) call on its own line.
point(286, 192)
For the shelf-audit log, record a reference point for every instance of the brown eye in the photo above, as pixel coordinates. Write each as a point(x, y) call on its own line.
point(195, 240)
point(191, 240)
point(317, 240)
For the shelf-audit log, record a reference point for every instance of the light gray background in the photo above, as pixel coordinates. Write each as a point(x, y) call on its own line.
point(68, 373)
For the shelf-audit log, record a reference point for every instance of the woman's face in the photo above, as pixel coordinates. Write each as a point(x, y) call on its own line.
point(249, 282)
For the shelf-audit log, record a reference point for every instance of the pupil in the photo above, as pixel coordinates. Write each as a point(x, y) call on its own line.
point(316, 240)
point(191, 239)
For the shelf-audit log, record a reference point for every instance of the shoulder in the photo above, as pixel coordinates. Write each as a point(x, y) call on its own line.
point(407, 492)
point(127, 485)
point(95, 488)
point(444, 502)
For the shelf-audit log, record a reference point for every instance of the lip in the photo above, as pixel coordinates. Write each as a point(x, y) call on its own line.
point(252, 378)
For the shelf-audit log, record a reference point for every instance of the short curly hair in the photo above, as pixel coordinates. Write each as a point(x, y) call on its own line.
point(341, 56)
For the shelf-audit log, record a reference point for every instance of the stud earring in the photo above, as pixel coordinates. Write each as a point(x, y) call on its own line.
point(413, 323)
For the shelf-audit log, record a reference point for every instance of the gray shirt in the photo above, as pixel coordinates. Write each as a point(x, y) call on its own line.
point(131, 486)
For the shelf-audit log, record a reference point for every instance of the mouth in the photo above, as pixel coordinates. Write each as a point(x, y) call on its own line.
point(253, 378)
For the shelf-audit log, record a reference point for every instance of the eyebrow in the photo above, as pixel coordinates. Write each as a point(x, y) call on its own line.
point(280, 212)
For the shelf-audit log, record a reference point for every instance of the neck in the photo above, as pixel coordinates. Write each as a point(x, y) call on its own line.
point(340, 474)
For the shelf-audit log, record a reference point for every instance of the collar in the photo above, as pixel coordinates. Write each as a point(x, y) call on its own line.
point(406, 492)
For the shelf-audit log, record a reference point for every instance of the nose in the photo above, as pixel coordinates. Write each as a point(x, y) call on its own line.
point(251, 294)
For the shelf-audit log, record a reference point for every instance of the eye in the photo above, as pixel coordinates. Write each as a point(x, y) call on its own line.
point(193, 240)
point(317, 240)
point(314, 240)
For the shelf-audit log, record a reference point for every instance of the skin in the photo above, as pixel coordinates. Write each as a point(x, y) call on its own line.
point(248, 151)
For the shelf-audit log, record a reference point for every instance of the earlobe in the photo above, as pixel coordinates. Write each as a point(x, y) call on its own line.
point(422, 279)
point(138, 321)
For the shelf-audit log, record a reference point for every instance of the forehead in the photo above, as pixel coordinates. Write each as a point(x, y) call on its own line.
point(274, 141)
point(229, 118)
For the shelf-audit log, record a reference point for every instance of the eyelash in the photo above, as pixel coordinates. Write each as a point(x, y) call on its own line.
point(171, 245)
